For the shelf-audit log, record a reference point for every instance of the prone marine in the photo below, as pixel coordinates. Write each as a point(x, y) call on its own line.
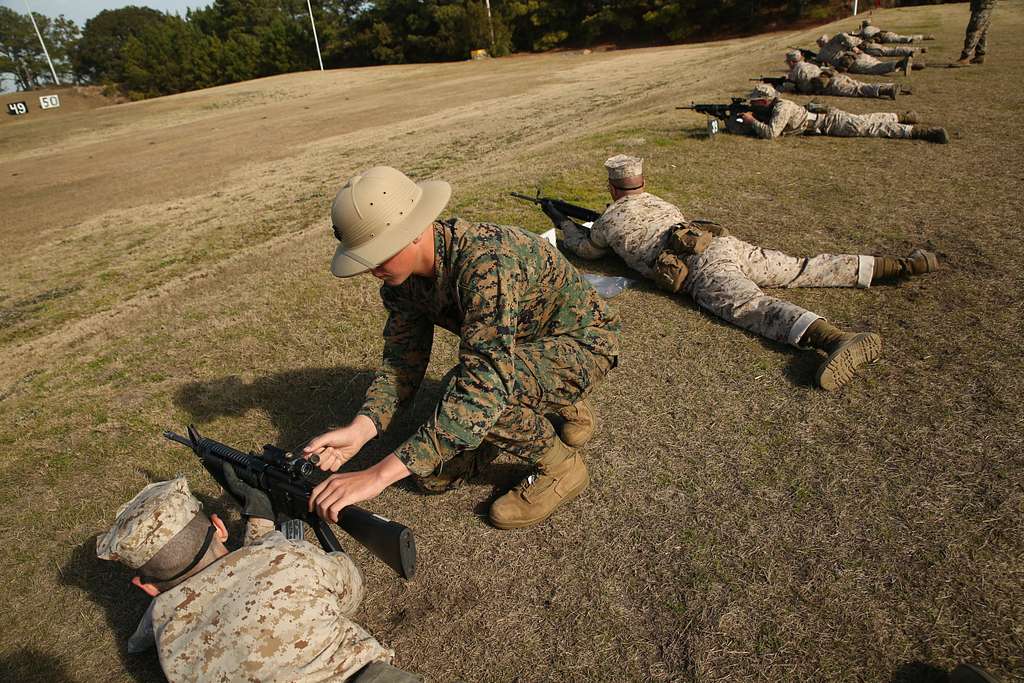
point(275, 609)
point(724, 275)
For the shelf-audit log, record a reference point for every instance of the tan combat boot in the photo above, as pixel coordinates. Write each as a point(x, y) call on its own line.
point(453, 473)
point(846, 351)
point(579, 424)
point(561, 476)
point(963, 61)
point(978, 59)
point(930, 133)
point(910, 117)
point(918, 263)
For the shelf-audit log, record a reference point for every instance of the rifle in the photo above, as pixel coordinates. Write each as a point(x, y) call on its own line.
point(580, 213)
point(776, 83)
point(288, 480)
point(722, 111)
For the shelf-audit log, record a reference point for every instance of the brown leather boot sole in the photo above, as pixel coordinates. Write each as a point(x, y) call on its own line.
point(841, 366)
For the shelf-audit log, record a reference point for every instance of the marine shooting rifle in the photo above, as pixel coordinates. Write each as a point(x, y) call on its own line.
point(722, 111)
point(580, 213)
point(775, 82)
point(288, 480)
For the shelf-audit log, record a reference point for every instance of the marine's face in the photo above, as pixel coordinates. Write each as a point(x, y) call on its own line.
point(398, 268)
point(760, 103)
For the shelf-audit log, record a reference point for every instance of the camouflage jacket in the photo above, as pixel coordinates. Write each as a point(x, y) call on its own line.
point(837, 46)
point(803, 75)
point(635, 227)
point(276, 610)
point(785, 118)
point(495, 287)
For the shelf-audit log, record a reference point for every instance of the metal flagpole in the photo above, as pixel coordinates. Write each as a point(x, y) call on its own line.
point(45, 51)
point(315, 39)
point(490, 23)
point(855, 7)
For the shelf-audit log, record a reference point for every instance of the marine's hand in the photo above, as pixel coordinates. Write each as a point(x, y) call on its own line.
point(556, 216)
point(348, 488)
point(254, 503)
point(337, 446)
point(572, 231)
point(747, 117)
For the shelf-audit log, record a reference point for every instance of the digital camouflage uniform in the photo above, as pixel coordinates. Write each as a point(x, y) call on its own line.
point(877, 49)
point(635, 227)
point(789, 118)
point(976, 37)
point(810, 79)
point(725, 279)
point(877, 35)
point(838, 52)
point(276, 610)
point(535, 338)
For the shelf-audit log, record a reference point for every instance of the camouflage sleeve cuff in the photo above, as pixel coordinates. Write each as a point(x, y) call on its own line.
point(427, 450)
point(376, 418)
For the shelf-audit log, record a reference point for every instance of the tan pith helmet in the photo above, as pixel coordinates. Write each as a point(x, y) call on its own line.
point(379, 212)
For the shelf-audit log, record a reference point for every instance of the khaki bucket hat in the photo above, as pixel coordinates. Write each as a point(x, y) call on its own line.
point(379, 212)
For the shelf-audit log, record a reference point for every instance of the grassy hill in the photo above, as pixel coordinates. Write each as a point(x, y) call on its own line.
point(166, 262)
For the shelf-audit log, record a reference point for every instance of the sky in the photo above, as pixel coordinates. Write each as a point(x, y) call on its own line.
point(82, 10)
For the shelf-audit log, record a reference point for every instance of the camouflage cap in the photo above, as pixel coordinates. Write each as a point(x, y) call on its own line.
point(866, 23)
point(794, 56)
point(146, 523)
point(763, 91)
point(623, 166)
point(822, 39)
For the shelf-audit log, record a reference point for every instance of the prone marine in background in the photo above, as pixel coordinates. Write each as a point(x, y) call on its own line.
point(724, 274)
point(771, 117)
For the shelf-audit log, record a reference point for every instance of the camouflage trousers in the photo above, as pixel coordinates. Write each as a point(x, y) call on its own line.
point(890, 37)
point(876, 50)
point(866, 64)
point(551, 374)
point(726, 279)
point(841, 85)
point(976, 38)
point(841, 124)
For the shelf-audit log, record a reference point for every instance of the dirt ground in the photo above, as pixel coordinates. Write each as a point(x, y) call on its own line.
point(165, 262)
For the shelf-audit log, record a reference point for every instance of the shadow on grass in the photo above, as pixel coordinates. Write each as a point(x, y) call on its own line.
point(108, 585)
point(32, 665)
point(304, 403)
point(919, 672)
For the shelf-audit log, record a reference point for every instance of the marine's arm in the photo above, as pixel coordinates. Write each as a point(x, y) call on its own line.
point(585, 245)
point(408, 339)
point(490, 284)
point(773, 129)
point(575, 239)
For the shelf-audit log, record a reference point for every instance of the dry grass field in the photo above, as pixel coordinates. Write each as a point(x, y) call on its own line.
point(166, 262)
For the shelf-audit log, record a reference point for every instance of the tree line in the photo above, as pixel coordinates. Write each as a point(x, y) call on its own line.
point(146, 53)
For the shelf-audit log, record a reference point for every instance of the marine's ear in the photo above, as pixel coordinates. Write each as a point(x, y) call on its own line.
point(222, 531)
point(147, 588)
